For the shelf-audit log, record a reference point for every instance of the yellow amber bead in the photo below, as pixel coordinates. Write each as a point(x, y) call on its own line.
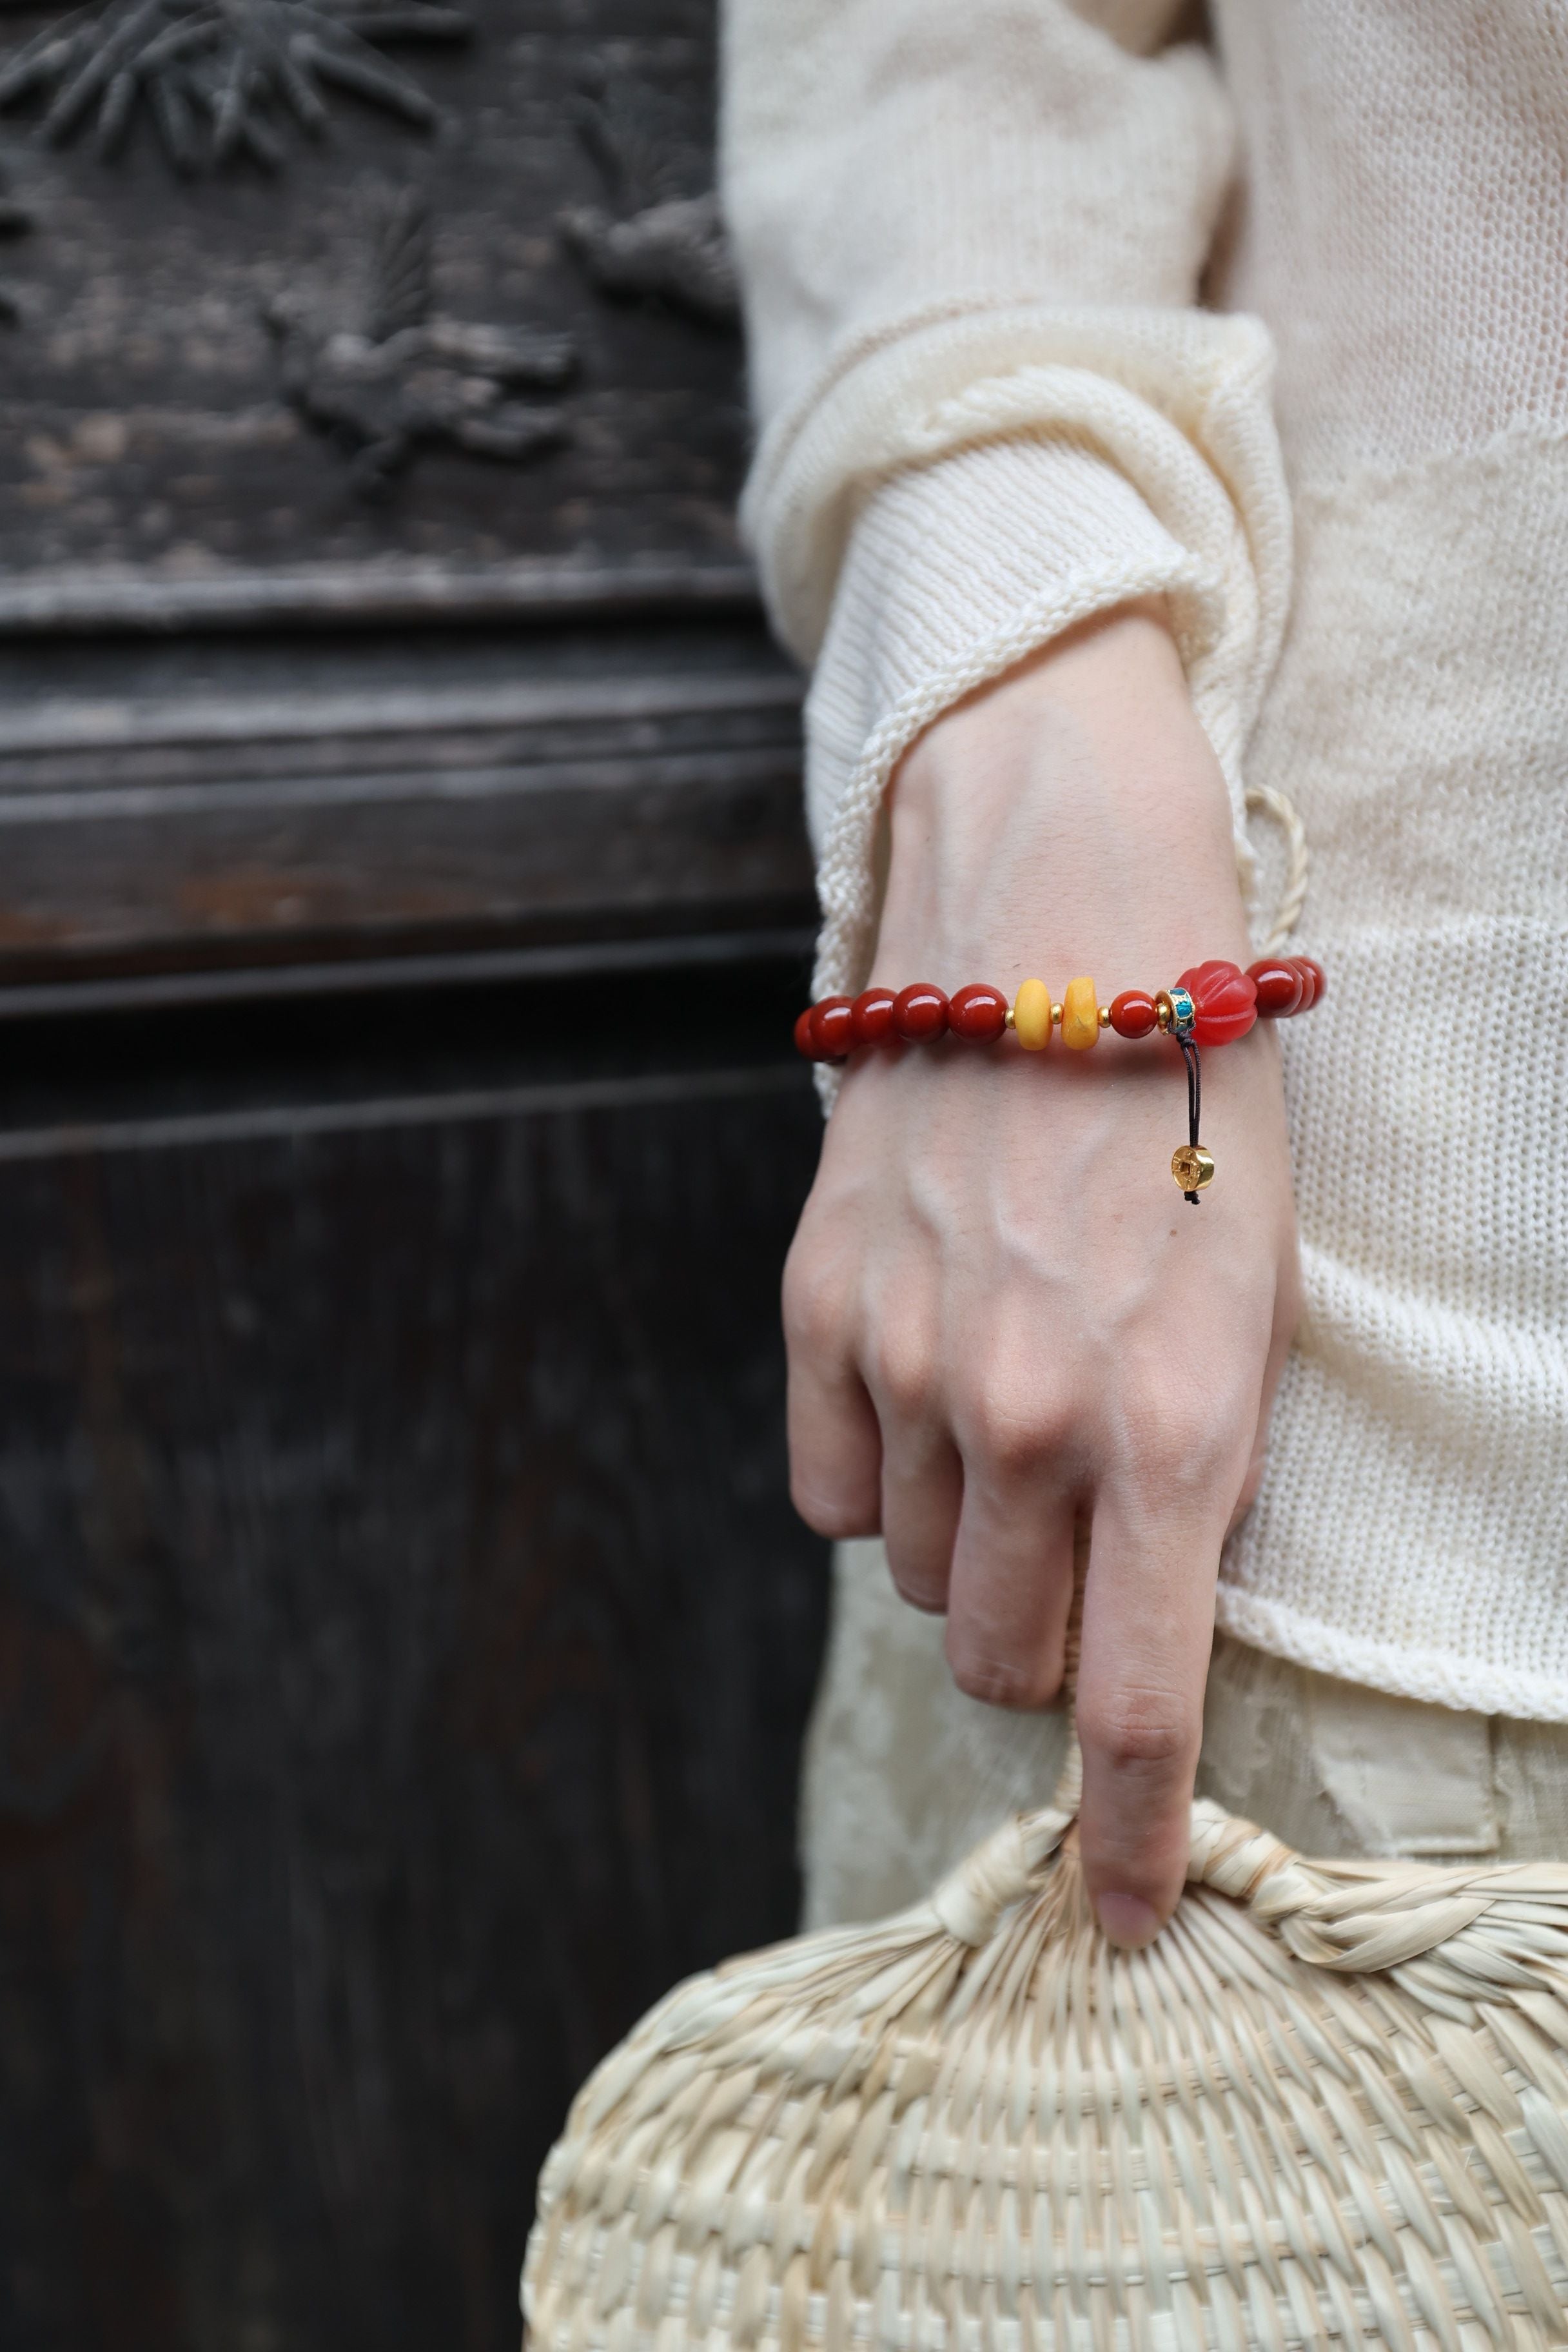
point(1032, 1015)
point(1081, 1015)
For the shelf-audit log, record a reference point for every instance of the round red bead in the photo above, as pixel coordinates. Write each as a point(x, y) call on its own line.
point(1280, 986)
point(1312, 973)
point(1224, 999)
point(871, 1016)
point(920, 1012)
point(978, 1012)
point(830, 1031)
point(802, 1044)
point(1133, 1012)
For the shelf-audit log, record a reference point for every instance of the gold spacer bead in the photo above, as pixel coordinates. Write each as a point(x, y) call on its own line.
point(1055, 1016)
point(1008, 1022)
point(1191, 1167)
point(1105, 1016)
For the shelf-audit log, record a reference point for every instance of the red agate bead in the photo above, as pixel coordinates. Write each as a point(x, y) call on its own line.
point(802, 1044)
point(1312, 974)
point(830, 1031)
point(1280, 987)
point(978, 1012)
point(920, 1012)
point(1133, 1013)
point(1225, 1002)
point(871, 1015)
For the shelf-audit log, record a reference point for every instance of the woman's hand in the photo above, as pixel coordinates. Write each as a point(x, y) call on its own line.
point(1002, 1316)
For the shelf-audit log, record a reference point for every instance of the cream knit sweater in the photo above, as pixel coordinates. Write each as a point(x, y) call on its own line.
point(973, 236)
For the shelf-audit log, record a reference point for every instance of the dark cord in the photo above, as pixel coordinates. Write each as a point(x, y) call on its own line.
point(1195, 1101)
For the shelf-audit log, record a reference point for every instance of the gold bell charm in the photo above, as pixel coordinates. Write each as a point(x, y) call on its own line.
point(1191, 1167)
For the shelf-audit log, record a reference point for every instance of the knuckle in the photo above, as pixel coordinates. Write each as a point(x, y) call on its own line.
point(816, 1314)
point(987, 1664)
point(1015, 1423)
point(836, 1516)
point(903, 1373)
point(999, 1682)
point(1163, 1419)
point(1176, 1442)
point(1135, 1729)
point(918, 1583)
point(920, 1561)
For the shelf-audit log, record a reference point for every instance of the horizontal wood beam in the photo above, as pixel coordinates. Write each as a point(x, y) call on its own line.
point(144, 830)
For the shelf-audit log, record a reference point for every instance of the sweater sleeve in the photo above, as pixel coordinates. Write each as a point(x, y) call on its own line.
point(987, 405)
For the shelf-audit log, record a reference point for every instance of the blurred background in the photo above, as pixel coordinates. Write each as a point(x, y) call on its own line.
point(405, 1638)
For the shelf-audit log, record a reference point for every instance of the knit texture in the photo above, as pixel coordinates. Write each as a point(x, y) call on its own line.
point(973, 241)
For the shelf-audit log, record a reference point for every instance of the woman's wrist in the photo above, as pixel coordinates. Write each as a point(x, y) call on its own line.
point(1073, 813)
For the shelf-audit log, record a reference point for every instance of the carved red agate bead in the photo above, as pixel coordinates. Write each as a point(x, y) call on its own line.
point(978, 1012)
point(1224, 1000)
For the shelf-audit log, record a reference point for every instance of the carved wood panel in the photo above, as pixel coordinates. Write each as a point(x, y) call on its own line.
point(480, 355)
point(405, 1639)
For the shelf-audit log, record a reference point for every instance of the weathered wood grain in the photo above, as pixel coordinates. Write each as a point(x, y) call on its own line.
point(91, 597)
point(387, 796)
point(404, 1646)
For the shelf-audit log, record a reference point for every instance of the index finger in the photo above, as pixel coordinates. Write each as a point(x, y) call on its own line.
point(1148, 1627)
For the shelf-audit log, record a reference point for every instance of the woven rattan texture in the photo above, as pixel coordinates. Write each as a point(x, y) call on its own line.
point(1328, 2105)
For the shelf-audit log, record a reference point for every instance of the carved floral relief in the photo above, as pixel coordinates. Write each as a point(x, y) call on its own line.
point(221, 81)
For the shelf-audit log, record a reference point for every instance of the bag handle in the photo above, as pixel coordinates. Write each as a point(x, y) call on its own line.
point(1345, 1916)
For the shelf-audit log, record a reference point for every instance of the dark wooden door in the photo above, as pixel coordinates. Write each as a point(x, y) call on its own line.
point(405, 1638)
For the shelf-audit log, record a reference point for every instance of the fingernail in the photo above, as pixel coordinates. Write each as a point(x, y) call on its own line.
point(1127, 1919)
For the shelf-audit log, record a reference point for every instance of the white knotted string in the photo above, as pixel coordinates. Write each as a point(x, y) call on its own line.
point(1265, 800)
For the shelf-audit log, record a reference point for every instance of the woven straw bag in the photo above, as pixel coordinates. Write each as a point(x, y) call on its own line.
point(1327, 2105)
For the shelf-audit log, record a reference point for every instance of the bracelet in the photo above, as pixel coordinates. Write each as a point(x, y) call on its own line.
point(1212, 1004)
